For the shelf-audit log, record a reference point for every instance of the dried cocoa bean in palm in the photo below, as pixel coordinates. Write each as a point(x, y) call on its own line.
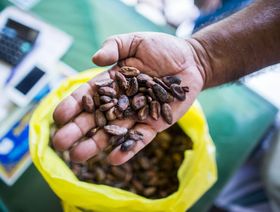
point(123, 103)
point(114, 101)
point(91, 132)
point(160, 82)
point(178, 92)
point(87, 103)
point(116, 87)
point(96, 99)
point(127, 145)
point(110, 114)
point(107, 91)
point(121, 80)
point(169, 98)
point(138, 101)
point(167, 113)
point(186, 89)
point(106, 106)
point(118, 113)
point(100, 118)
point(115, 130)
point(160, 92)
point(149, 99)
point(116, 140)
point(128, 112)
point(150, 83)
point(151, 93)
point(142, 89)
point(143, 113)
point(155, 110)
point(105, 99)
point(169, 80)
point(135, 135)
point(143, 78)
point(129, 71)
point(104, 82)
point(132, 87)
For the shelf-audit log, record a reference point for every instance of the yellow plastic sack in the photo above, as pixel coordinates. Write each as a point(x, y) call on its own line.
point(196, 174)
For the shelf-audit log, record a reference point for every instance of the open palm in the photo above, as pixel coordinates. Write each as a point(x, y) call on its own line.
point(155, 54)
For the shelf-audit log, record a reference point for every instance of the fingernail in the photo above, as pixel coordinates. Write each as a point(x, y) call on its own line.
point(98, 52)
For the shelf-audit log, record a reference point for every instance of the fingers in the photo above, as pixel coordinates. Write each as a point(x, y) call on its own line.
point(118, 157)
point(117, 48)
point(66, 136)
point(71, 106)
point(90, 147)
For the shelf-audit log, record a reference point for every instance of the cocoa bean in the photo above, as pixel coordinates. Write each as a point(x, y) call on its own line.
point(105, 99)
point(151, 93)
point(121, 80)
point(178, 92)
point(169, 80)
point(186, 89)
point(138, 101)
point(106, 106)
point(142, 89)
point(132, 87)
point(100, 118)
point(149, 99)
point(160, 92)
point(129, 71)
point(116, 87)
point(104, 82)
point(107, 91)
point(87, 103)
point(127, 145)
point(144, 78)
point(135, 135)
point(123, 103)
point(91, 132)
point(143, 113)
point(116, 140)
point(118, 113)
point(128, 112)
point(110, 114)
point(150, 83)
point(161, 83)
point(167, 113)
point(96, 99)
point(115, 130)
point(155, 110)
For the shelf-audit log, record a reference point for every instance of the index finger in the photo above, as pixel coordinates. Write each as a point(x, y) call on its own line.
point(71, 106)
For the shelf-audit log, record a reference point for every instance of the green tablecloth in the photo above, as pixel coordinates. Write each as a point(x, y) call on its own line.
point(237, 117)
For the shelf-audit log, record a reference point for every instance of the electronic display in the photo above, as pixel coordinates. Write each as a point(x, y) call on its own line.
point(26, 84)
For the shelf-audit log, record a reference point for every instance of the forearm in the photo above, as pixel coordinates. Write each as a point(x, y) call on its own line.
point(240, 44)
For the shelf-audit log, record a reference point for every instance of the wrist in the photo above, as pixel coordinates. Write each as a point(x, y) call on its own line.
point(202, 61)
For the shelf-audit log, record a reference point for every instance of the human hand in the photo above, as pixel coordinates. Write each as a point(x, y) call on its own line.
point(155, 54)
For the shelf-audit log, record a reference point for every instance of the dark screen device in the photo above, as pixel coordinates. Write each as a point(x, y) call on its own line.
point(23, 89)
point(16, 41)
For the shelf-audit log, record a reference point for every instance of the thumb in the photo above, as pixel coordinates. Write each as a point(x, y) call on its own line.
point(116, 48)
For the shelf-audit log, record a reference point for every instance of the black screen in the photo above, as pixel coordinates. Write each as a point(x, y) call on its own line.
point(29, 80)
point(24, 32)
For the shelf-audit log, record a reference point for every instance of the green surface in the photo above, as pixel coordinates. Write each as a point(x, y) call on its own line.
point(237, 117)
point(90, 22)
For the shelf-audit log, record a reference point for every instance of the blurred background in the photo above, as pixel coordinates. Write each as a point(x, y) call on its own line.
point(43, 42)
